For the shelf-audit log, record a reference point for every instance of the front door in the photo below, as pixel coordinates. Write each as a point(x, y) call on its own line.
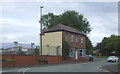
point(76, 54)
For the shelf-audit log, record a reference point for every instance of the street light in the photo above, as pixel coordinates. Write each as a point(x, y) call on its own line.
point(41, 27)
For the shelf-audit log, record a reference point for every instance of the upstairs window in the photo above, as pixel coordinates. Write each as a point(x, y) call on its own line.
point(82, 39)
point(72, 38)
point(76, 38)
point(66, 37)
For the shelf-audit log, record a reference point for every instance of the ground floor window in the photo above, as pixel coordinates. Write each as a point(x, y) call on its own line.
point(80, 52)
point(71, 52)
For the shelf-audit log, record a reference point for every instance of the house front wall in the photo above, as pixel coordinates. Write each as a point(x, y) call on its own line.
point(77, 46)
point(52, 43)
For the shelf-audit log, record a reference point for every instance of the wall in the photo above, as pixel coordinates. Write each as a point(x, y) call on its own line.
point(74, 44)
point(30, 60)
point(33, 60)
point(77, 46)
point(53, 39)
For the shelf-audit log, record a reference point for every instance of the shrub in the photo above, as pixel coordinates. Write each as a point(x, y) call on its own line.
point(43, 60)
point(7, 60)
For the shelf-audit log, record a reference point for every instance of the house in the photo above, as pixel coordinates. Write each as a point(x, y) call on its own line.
point(53, 38)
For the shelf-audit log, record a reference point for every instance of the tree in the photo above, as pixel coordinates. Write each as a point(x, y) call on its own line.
point(89, 46)
point(69, 18)
point(109, 44)
point(36, 50)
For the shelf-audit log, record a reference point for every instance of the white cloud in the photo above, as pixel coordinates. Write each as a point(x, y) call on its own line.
point(17, 30)
point(20, 20)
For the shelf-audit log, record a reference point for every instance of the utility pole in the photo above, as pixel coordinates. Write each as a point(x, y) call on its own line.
point(41, 28)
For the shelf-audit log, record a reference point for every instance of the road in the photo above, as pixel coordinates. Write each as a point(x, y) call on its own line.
point(68, 67)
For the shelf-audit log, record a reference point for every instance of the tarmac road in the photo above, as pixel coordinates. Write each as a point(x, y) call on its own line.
point(67, 67)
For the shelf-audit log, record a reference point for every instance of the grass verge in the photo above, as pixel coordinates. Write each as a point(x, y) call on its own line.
point(117, 66)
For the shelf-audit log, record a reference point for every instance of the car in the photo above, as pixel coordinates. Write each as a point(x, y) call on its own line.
point(89, 57)
point(113, 59)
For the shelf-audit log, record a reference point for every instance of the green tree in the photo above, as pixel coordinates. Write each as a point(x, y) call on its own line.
point(89, 46)
point(36, 50)
point(109, 44)
point(69, 18)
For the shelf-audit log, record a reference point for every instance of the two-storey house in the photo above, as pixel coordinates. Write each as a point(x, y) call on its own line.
point(53, 38)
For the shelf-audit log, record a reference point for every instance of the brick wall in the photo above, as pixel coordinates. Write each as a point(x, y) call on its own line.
point(74, 44)
point(32, 60)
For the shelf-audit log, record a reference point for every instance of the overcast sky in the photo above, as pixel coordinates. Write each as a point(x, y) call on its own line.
point(20, 19)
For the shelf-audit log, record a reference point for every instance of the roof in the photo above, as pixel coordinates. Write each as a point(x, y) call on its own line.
point(61, 27)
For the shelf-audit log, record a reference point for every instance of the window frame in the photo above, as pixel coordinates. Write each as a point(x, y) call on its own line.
point(71, 52)
point(66, 37)
point(72, 38)
point(82, 40)
point(76, 39)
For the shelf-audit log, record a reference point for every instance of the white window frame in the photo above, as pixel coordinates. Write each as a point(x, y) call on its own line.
point(72, 38)
point(71, 52)
point(82, 40)
point(76, 38)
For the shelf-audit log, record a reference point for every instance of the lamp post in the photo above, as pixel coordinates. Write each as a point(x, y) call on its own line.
point(41, 27)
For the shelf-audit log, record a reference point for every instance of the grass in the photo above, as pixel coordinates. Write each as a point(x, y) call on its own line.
point(104, 56)
point(117, 66)
point(101, 56)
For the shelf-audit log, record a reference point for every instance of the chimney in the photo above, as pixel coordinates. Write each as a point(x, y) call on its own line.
point(15, 44)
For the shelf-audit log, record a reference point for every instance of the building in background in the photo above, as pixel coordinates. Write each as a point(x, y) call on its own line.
point(54, 38)
point(16, 48)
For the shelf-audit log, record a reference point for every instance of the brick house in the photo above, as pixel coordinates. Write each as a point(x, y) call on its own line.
point(53, 38)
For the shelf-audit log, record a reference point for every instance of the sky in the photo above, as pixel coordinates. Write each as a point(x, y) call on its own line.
point(19, 21)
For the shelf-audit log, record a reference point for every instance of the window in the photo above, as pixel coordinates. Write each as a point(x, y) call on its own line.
point(72, 37)
point(80, 52)
point(82, 39)
point(71, 52)
point(66, 37)
point(76, 38)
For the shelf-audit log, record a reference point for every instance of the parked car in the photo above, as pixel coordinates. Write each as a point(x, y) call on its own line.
point(113, 59)
point(89, 57)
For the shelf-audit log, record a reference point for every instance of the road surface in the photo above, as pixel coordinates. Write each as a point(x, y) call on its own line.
point(68, 67)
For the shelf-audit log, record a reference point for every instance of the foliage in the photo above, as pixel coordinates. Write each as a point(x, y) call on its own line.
point(109, 44)
point(36, 51)
point(20, 52)
point(66, 49)
point(89, 46)
point(69, 18)
point(6, 60)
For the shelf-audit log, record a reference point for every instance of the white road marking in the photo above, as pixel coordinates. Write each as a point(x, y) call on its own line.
point(21, 69)
point(25, 70)
point(102, 69)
